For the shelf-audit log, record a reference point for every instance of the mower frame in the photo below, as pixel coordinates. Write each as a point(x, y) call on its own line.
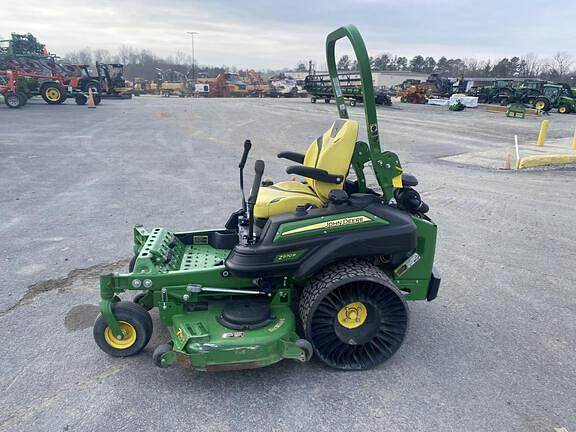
point(179, 272)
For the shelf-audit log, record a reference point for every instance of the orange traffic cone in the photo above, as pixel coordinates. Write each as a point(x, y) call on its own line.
point(506, 162)
point(91, 103)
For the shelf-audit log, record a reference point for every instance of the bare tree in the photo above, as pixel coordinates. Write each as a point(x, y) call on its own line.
point(531, 65)
point(81, 57)
point(471, 65)
point(561, 64)
point(102, 55)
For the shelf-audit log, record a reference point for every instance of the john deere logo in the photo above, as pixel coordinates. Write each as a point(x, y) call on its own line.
point(347, 221)
point(337, 223)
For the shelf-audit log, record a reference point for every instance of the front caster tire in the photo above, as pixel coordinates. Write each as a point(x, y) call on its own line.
point(353, 315)
point(136, 325)
point(159, 352)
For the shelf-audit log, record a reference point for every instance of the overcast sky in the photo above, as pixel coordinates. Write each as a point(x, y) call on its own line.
point(271, 34)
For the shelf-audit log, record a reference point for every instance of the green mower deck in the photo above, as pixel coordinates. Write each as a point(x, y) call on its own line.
point(320, 267)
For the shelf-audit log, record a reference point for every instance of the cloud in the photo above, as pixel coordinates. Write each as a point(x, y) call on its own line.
point(263, 34)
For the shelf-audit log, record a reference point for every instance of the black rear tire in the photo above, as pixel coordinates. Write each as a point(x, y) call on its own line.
point(504, 96)
point(542, 104)
point(353, 315)
point(53, 93)
point(81, 99)
point(94, 85)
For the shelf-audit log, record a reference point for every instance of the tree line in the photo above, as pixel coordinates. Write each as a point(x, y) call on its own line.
point(145, 64)
point(559, 67)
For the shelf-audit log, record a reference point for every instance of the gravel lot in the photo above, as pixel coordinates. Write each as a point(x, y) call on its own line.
point(495, 351)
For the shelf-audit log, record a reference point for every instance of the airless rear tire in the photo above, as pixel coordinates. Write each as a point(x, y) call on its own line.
point(353, 315)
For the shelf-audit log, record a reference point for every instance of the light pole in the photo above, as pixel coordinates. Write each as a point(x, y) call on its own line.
point(192, 33)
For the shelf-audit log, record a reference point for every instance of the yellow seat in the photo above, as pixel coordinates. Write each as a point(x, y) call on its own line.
point(331, 152)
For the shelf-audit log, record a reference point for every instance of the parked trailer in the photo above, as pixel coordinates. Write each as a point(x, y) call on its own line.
point(319, 86)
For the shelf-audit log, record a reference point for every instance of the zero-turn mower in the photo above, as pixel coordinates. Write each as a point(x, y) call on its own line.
point(322, 266)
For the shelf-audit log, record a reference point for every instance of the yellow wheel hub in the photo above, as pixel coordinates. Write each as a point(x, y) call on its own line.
point(539, 105)
point(53, 94)
point(562, 110)
point(352, 315)
point(129, 333)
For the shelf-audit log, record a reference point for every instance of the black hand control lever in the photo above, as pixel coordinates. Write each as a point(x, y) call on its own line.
point(241, 165)
point(259, 169)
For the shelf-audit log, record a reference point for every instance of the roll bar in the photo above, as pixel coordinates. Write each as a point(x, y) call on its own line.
point(386, 165)
point(353, 35)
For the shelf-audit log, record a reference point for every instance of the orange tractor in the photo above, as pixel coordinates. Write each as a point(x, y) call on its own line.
point(224, 85)
point(416, 94)
point(255, 85)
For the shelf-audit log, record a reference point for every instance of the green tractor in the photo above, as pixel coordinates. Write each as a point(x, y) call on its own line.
point(558, 96)
point(319, 267)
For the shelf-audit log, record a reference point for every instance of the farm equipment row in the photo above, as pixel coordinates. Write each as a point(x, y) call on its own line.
point(542, 95)
point(539, 94)
point(173, 83)
point(17, 88)
point(28, 70)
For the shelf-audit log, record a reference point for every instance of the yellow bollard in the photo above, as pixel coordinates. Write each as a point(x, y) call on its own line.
point(543, 132)
point(574, 140)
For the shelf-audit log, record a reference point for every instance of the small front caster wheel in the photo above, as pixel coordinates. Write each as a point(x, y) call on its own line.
point(306, 346)
point(159, 352)
point(136, 325)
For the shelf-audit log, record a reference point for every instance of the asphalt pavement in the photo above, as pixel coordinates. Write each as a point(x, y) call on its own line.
point(494, 352)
